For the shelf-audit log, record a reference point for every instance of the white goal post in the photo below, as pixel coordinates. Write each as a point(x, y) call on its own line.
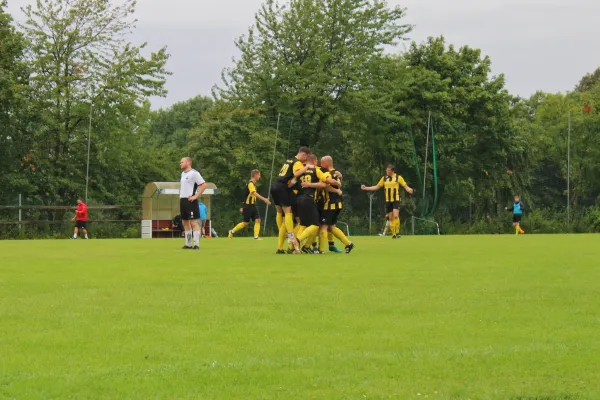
point(413, 219)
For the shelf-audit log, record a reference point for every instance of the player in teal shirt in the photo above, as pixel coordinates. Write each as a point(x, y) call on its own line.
point(517, 210)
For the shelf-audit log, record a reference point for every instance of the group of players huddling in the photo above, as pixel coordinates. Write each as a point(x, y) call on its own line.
point(308, 197)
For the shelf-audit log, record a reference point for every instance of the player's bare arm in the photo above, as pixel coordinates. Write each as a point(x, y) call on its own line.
point(301, 171)
point(317, 185)
point(333, 183)
point(332, 189)
point(370, 188)
point(258, 196)
point(408, 189)
point(199, 192)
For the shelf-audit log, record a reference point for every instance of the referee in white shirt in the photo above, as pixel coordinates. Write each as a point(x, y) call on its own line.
point(192, 187)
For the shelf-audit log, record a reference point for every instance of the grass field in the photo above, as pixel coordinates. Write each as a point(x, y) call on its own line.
point(478, 317)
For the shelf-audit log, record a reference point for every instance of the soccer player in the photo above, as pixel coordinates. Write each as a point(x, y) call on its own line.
point(249, 210)
point(192, 187)
point(282, 194)
point(386, 227)
point(203, 215)
point(311, 180)
point(81, 218)
point(517, 210)
point(331, 207)
point(391, 182)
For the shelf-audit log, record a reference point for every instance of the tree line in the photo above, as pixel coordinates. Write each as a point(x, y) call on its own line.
point(311, 72)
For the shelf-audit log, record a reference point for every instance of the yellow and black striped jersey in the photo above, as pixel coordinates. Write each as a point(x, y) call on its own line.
point(287, 171)
point(312, 175)
point(248, 198)
point(392, 185)
point(331, 201)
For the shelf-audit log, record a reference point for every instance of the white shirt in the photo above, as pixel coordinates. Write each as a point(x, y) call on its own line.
point(189, 183)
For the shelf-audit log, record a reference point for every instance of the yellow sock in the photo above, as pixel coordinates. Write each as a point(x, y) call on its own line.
point(238, 227)
point(256, 228)
point(329, 237)
point(300, 229)
point(279, 219)
point(311, 239)
point(517, 231)
point(289, 223)
point(337, 232)
point(282, 237)
point(308, 232)
point(323, 240)
point(398, 226)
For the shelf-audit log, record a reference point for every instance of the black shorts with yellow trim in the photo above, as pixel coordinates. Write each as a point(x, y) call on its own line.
point(390, 206)
point(250, 213)
point(329, 217)
point(308, 211)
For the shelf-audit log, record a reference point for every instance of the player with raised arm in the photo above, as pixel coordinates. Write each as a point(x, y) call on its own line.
point(192, 187)
point(249, 210)
point(391, 182)
point(282, 194)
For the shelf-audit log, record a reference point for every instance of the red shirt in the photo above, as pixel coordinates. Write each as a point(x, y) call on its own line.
point(81, 212)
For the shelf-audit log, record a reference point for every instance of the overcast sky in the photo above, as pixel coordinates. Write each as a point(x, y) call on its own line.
point(538, 44)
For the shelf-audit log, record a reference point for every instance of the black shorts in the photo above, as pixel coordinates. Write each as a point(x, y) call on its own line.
point(391, 206)
point(189, 210)
point(516, 218)
point(81, 224)
point(282, 195)
point(329, 217)
point(308, 211)
point(294, 200)
point(250, 213)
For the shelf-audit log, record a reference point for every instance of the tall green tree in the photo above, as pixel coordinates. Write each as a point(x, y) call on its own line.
point(79, 58)
point(13, 109)
point(170, 127)
point(306, 57)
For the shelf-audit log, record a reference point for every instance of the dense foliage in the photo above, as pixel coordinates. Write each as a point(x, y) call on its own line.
point(319, 71)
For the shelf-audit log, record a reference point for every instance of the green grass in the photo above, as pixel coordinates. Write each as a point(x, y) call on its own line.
point(478, 317)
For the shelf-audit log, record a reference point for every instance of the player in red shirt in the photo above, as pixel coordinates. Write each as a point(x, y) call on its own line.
point(81, 218)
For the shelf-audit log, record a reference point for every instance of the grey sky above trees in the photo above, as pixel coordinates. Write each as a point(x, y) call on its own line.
point(538, 44)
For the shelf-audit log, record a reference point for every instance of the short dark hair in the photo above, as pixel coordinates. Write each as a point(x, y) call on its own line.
point(304, 149)
point(254, 173)
point(392, 167)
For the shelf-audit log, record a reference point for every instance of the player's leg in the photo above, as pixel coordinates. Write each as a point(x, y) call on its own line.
point(309, 217)
point(84, 230)
point(246, 217)
point(75, 231)
point(187, 226)
point(195, 233)
point(396, 222)
point(280, 218)
point(185, 211)
point(392, 226)
point(257, 223)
